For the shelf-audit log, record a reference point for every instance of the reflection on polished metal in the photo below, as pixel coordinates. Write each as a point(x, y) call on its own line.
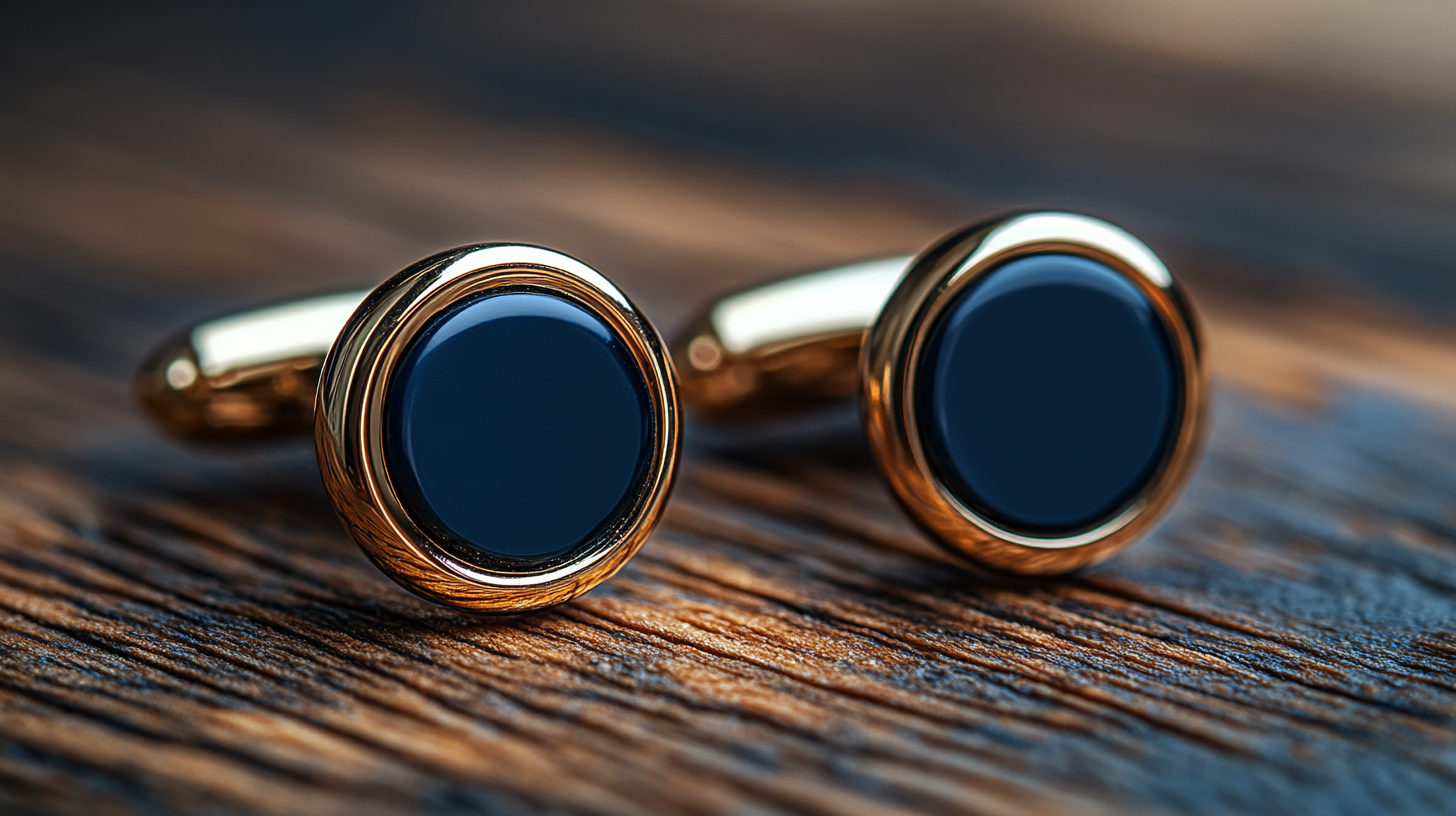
point(245, 377)
point(1033, 387)
point(461, 411)
point(785, 344)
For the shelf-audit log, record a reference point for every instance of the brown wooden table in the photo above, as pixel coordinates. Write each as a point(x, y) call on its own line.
point(189, 630)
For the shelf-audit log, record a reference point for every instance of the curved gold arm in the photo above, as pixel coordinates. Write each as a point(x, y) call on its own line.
point(245, 376)
point(790, 343)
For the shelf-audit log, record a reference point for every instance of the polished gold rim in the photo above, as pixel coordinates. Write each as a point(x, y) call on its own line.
point(894, 349)
point(350, 437)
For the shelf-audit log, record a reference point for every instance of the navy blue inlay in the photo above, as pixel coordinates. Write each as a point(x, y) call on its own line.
point(517, 425)
point(1048, 394)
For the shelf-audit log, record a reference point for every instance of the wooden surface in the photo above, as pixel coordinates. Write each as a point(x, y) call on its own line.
point(187, 630)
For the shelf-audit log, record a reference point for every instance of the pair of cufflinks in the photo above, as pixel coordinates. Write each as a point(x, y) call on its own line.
point(499, 427)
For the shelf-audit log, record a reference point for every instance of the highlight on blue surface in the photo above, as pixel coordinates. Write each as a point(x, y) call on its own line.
point(1048, 395)
point(517, 428)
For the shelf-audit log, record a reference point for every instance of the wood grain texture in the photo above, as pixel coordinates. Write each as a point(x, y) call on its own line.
point(186, 630)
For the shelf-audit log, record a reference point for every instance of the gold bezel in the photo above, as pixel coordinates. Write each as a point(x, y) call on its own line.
point(894, 349)
point(349, 426)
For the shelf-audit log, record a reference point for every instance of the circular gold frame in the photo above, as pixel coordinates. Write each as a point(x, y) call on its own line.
point(349, 426)
point(894, 348)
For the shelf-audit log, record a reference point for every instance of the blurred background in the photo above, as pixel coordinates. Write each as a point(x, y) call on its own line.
point(163, 160)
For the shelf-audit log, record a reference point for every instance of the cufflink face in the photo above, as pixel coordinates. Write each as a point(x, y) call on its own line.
point(516, 427)
point(498, 428)
point(1034, 391)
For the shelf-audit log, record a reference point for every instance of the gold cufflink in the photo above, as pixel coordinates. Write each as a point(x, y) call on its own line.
point(1033, 388)
point(497, 426)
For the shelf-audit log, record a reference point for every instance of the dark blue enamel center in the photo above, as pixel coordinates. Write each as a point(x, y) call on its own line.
point(517, 426)
point(1048, 394)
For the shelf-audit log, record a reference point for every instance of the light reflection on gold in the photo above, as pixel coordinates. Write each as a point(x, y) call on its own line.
point(786, 343)
point(304, 328)
point(787, 311)
point(246, 376)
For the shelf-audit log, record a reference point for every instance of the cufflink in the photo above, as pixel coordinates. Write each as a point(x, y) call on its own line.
point(497, 426)
point(1032, 388)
